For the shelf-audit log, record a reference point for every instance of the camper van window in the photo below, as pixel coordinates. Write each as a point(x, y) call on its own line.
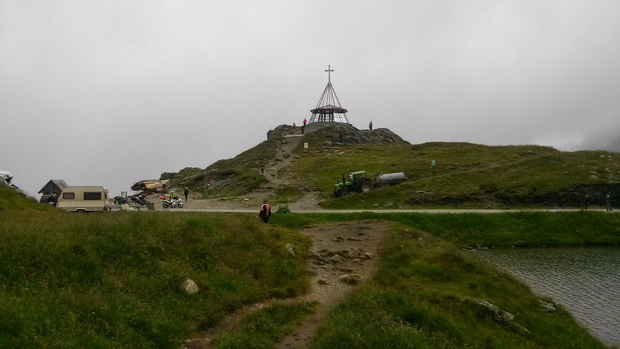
point(68, 196)
point(92, 195)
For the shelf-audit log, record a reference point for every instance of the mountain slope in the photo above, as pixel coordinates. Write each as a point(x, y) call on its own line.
point(464, 175)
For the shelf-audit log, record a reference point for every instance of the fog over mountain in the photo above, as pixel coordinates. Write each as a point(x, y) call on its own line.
point(108, 93)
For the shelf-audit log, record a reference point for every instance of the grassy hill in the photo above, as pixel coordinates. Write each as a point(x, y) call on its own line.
point(11, 199)
point(466, 175)
point(114, 280)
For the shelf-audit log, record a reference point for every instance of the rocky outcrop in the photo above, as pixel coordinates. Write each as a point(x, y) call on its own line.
point(345, 133)
point(547, 307)
point(500, 316)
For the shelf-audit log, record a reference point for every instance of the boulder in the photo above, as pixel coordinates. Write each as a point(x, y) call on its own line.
point(189, 286)
point(290, 248)
point(547, 307)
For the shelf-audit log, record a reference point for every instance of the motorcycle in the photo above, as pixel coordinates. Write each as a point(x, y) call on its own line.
point(139, 200)
point(174, 203)
point(120, 200)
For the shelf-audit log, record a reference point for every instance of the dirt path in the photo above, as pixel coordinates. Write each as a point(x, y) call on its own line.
point(278, 176)
point(342, 257)
point(276, 171)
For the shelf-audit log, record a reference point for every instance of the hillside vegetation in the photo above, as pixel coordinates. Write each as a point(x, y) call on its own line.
point(114, 280)
point(466, 175)
point(12, 199)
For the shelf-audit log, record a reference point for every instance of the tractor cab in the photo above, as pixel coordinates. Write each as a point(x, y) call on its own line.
point(358, 181)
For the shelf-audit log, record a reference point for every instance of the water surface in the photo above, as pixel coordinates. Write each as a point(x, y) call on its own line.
point(585, 280)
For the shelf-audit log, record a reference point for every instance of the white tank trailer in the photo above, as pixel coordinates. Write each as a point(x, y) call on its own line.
point(390, 178)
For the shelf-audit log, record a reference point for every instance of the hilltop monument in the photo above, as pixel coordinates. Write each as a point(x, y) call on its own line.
point(329, 109)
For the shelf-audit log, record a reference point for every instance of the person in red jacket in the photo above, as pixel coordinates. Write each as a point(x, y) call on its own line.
point(265, 212)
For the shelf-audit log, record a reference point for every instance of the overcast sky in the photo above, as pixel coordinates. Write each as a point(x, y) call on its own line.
point(111, 92)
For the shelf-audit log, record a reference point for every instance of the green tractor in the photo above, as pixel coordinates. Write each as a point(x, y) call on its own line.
point(358, 182)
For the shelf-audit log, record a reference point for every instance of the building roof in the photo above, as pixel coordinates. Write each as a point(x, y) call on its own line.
point(53, 186)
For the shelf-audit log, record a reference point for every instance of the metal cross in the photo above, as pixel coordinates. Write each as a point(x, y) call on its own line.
point(329, 73)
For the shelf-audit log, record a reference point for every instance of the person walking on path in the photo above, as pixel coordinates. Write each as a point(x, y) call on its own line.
point(608, 201)
point(186, 192)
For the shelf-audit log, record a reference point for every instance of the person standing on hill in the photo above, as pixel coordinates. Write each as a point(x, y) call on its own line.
point(586, 201)
point(186, 193)
point(370, 126)
point(305, 121)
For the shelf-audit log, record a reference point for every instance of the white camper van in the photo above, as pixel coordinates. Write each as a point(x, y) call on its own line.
point(84, 199)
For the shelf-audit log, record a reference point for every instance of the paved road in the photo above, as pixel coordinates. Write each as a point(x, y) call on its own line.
point(436, 211)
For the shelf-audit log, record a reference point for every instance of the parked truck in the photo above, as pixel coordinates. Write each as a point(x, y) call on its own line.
point(359, 182)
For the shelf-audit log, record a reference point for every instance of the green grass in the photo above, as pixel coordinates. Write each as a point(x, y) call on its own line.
point(286, 195)
point(266, 328)
point(11, 199)
point(230, 177)
point(423, 297)
point(466, 175)
point(112, 280)
point(578, 228)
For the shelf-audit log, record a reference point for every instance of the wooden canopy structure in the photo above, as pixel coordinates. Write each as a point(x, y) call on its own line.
point(150, 185)
point(329, 109)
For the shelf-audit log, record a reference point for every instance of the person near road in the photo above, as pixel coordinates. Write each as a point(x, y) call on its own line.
point(186, 193)
point(53, 199)
point(265, 212)
point(608, 201)
point(172, 195)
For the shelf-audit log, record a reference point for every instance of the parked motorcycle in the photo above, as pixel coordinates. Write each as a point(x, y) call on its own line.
point(120, 200)
point(174, 203)
point(139, 200)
